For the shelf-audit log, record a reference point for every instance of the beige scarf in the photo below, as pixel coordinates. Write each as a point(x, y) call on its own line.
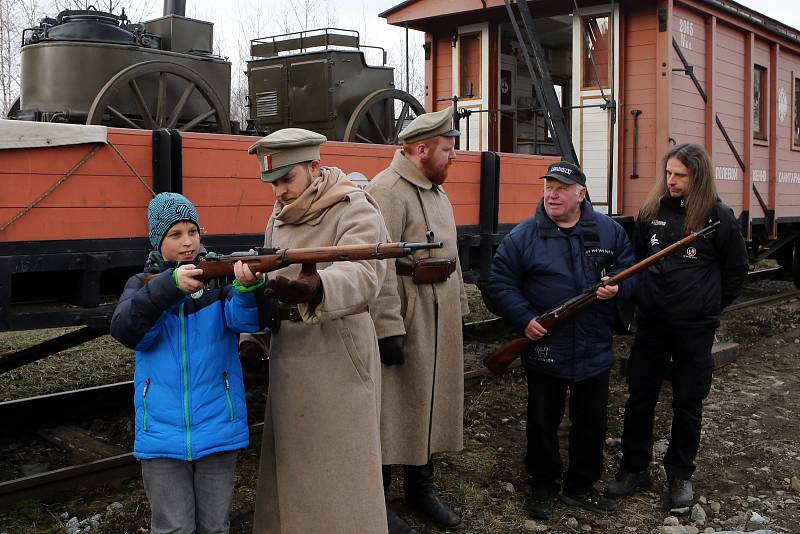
point(330, 187)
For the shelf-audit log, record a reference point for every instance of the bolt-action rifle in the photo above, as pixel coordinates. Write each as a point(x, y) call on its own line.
point(504, 355)
point(265, 260)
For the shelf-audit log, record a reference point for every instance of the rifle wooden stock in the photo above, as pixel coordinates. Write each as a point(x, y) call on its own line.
point(222, 266)
point(505, 355)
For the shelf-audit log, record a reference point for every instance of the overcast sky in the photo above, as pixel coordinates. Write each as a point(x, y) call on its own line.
point(231, 17)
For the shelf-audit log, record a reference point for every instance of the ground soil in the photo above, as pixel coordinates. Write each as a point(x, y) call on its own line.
point(748, 462)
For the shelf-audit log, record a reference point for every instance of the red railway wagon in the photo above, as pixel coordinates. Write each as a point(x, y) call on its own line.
point(632, 76)
point(73, 216)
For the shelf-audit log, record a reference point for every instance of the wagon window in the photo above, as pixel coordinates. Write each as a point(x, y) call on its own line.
point(759, 88)
point(796, 135)
point(469, 65)
point(596, 41)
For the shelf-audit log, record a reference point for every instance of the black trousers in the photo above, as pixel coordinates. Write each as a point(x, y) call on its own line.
point(692, 367)
point(588, 400)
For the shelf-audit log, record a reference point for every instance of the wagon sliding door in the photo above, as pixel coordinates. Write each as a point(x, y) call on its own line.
point(595, 30)
point(471, 83)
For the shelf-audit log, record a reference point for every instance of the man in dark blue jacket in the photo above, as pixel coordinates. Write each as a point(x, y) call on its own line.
point(563, 250)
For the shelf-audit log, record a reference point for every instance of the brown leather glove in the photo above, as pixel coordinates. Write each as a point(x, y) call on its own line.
point(391, 349)
point(306, 287)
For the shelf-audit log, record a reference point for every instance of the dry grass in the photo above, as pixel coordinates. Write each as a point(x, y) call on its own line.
point(97, 362)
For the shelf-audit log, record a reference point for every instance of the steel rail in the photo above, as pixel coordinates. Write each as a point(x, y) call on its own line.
point(771, 299)
point(46, 485)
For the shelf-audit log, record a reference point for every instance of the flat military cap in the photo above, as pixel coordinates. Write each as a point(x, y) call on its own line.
point(281, 150)
point(429, 125)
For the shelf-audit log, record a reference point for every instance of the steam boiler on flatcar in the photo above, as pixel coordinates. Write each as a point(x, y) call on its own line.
point(92, 67)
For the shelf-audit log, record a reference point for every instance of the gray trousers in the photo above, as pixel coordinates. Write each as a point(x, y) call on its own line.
point(190, 497)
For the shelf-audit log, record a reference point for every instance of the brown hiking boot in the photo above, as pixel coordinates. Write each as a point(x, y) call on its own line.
point(680, 493)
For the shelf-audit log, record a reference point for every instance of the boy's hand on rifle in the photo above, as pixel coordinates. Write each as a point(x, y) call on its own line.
point(306, 287)
point(534, 331)
point(244, 275)
point(606, 292)
point(186, 275)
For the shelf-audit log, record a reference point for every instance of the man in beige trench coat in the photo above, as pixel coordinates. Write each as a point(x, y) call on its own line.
point(320, 453)
point(422, 404)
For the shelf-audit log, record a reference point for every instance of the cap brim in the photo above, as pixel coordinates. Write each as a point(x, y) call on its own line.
point(562, 179)
point(276, 174)
point(451, 133)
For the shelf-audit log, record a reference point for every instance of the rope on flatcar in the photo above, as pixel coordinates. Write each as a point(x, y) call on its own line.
point(130, 167)
point(69, 173)
point(55, 186)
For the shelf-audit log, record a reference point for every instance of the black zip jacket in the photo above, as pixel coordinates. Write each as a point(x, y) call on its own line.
point(691, 286)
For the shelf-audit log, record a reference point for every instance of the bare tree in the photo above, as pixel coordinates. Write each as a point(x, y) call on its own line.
point(294, 16)
point(413, 79)
point(135, 11)
point(9, 55)
point(16, 15)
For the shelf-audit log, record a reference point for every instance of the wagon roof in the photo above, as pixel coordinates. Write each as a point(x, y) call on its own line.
point(422, 14)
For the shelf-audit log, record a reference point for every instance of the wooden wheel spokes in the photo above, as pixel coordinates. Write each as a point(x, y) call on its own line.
point(176, 112)
point(151, 86)
point(373, 120)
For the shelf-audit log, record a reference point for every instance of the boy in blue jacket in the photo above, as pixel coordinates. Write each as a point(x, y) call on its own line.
point(189, 396)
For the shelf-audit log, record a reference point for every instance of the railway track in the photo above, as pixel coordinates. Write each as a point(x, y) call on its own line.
point(28, 414)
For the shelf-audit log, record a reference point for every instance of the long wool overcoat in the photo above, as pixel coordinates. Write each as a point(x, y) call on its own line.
point(320, 455)
point(422, 405)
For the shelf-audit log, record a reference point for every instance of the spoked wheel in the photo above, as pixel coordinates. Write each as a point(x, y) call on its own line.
point(381, 116)
point(12, 111)
point(146, 85)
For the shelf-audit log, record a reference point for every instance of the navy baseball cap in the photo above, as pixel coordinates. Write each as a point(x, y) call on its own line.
point(566, 173)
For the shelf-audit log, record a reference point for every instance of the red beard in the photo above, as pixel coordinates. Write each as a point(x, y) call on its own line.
point(434, 174)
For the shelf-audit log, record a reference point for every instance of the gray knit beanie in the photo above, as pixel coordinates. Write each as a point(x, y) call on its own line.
point(164, 211)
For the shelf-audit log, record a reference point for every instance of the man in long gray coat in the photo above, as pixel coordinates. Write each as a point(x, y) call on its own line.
point(320, 452)
point(421, 348)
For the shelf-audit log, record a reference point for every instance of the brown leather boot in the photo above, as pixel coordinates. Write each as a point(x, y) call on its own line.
point(680, 493)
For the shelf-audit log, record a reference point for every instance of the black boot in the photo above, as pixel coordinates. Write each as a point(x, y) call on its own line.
point(627, 483)
point(396, 525)
point(418, 486)
point(386, 471)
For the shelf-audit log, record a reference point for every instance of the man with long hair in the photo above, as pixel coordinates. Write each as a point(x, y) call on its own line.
point(679, 301)
point(421, 350)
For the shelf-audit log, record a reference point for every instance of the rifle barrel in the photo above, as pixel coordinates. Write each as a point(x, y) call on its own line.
point(423, 246)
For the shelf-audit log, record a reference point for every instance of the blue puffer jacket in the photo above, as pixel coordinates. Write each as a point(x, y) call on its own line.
point(189, 395)
point(539, 266)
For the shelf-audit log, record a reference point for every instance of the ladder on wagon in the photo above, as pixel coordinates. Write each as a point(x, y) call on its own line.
point(542, 82)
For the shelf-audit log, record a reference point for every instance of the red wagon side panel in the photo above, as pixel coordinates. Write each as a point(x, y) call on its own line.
point(640, 67)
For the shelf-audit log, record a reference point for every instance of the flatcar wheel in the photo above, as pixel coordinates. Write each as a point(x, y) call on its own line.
point(156, 108)
point(12, 111)
point(381, 116)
